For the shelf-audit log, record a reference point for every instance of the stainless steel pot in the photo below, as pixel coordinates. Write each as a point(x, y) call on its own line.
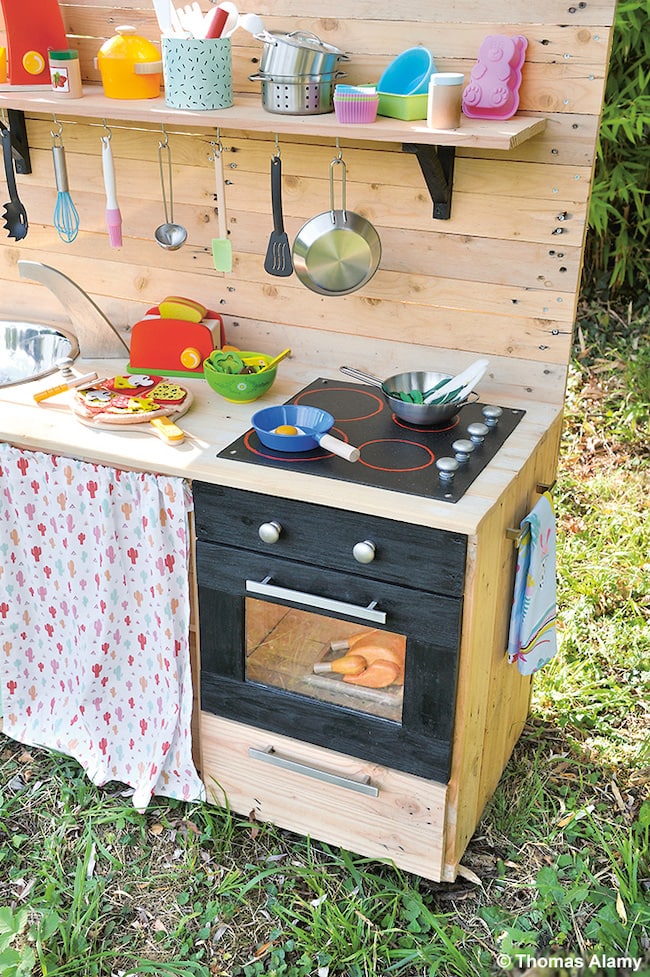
point(403, 383)
point(299, 94)
point(297, 53)
point(336, 252)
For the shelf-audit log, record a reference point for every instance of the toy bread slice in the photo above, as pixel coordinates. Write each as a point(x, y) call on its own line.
point(177, 307)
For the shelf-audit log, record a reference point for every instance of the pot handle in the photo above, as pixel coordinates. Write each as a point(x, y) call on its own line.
point(338, 161)
point(360, 375)
point(314, 37)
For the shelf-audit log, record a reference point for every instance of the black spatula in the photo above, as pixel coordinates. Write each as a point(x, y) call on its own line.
point(278, 254)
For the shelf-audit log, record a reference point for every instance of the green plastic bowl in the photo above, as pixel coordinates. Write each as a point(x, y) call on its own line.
point(406, 107)
point(240, 388)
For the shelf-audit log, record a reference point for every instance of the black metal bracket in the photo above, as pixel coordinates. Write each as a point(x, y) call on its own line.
point(437, 165)
point(19, 143)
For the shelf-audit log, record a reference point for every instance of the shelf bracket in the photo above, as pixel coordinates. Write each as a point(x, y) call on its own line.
point(19, 143)
point(437, 165)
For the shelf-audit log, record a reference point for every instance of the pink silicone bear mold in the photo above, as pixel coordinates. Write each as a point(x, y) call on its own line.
point(493, 89)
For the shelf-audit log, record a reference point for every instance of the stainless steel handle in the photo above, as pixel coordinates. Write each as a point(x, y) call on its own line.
point(266, 589)
point(269, 755)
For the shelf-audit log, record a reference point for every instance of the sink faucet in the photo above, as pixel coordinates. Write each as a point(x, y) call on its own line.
point(98, 339)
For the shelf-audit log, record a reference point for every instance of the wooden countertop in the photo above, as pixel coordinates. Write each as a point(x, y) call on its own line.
point(212, 423)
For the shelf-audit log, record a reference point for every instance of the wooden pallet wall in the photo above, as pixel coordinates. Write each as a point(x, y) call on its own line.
point(501, 277)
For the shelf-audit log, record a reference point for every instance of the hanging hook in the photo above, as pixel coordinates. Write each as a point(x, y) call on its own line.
point(108, 135)
point(217, 147)
point(165, 144)
point(339, 150)
point(56, 135)
point(277, 146)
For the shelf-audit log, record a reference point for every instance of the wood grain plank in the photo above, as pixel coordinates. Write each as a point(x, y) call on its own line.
point(403, 824)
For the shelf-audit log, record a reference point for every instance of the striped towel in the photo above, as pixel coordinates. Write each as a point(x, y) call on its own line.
point(532, 640)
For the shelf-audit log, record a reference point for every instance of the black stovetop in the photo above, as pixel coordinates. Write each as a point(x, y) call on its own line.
point(395, 455)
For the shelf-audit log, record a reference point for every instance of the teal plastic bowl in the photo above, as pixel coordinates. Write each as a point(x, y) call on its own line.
point(408, 73)
point(240, 388)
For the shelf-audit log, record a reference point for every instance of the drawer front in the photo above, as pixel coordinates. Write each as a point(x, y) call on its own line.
point(417, 556)
point(339, 799)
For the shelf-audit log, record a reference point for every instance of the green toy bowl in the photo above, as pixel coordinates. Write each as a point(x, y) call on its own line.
point(240, 388)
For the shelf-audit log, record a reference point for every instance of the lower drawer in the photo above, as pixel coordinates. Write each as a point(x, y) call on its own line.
point(338, 799)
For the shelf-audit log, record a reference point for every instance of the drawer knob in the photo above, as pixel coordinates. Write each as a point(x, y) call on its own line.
point(269, 532)
point(364, 552)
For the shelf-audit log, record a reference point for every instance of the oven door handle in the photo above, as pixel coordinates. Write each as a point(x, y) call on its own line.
point(265, 589)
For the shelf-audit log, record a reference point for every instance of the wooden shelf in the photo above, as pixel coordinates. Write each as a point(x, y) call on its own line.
point(248, 114)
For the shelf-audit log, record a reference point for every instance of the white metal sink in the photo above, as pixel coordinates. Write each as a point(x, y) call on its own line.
point(29, 350)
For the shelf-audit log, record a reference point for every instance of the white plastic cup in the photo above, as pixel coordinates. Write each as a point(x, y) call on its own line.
point(445, 99)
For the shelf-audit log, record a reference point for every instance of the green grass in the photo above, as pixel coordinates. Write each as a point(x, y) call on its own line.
point(558, 867)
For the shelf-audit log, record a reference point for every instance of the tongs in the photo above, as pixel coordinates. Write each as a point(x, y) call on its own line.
point(458, 387)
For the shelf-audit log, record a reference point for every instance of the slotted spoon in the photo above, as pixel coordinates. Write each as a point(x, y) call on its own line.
point(15, 215)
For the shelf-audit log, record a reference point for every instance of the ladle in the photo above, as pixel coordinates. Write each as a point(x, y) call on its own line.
point(169, 235)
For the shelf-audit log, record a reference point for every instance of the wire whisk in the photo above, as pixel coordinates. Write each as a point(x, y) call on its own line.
point(66, 218)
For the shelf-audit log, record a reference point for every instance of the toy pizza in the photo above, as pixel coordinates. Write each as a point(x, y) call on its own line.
point(134, 399)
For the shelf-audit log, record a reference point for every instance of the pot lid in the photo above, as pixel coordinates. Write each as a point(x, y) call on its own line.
point(300, 39)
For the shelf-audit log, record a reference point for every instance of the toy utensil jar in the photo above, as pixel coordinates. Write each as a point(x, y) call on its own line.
point(445, 98)
point(65, 73)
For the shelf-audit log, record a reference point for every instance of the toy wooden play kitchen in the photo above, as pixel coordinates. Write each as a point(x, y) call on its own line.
point(391, 746)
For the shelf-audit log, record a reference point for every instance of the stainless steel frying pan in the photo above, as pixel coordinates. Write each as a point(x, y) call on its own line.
point(339, 251)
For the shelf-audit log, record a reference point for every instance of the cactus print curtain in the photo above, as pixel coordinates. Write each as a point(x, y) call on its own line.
point(94, 619)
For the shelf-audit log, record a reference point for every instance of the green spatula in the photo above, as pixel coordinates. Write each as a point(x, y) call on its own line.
point(221, 246)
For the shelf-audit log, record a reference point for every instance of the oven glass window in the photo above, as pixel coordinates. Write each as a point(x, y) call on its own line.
point(325, 658)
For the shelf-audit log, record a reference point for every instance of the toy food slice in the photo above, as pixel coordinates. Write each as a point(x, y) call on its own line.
point(177, 307)
point(134, 384)
point(166, 392)
point(227, 362)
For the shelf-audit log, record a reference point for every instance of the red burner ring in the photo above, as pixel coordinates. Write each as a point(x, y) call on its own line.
point(430, 429)
point(314, 395)
point(412, 468)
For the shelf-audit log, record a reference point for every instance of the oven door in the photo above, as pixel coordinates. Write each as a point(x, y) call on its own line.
point(270, 629)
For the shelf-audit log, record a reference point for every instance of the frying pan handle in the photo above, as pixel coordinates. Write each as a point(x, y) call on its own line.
point(360, 375)
point(276, 194)
point(337, 447)
point(338, 161)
